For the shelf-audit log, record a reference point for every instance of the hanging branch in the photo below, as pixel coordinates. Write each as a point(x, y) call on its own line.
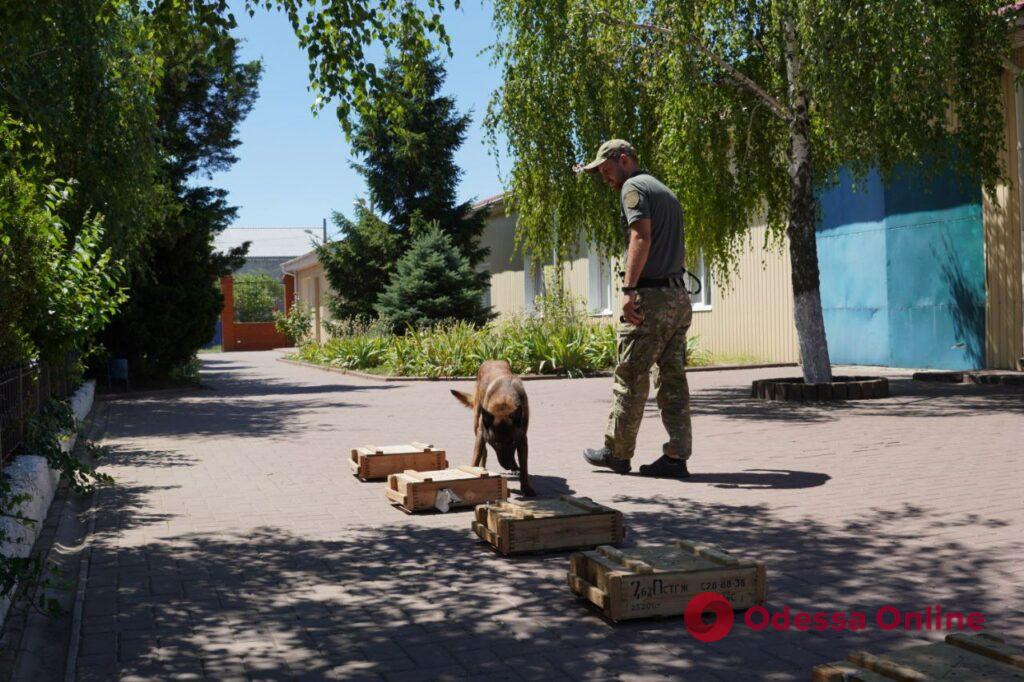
point(777, 108)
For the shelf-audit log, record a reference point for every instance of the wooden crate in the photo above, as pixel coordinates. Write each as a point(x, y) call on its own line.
point(659, 581)
point(372, 462)
point(517, 527)
point(961, 657)
point(417, 490)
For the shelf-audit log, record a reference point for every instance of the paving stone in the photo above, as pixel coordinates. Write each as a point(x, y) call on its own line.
point(238, 540)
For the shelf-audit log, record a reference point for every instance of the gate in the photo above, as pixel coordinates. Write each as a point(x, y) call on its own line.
point(247, 321)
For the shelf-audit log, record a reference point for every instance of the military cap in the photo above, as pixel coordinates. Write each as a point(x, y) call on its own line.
point(612, 149)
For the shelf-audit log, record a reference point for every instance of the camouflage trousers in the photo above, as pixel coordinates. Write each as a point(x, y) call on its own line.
point(659, 343)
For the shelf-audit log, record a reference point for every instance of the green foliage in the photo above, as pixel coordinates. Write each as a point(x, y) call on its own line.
point(83, 76)
point(577, 73)
point(58, 286)
point(407, 139)
point(433, 281)
point(336, 37)
point(257, 295)
point(358, 265)
point(203, 95)
point(296, 324)
point(48, 432)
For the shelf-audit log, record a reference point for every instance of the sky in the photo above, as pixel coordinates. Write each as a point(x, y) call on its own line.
point(294, 167)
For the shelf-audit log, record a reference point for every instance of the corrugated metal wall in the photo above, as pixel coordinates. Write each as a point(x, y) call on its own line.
point(505, 265)
point(1004, 332)
point(754, 316)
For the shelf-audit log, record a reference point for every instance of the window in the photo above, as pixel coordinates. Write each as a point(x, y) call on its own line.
point(601, 279)
point(701, 300)
point(533, 286)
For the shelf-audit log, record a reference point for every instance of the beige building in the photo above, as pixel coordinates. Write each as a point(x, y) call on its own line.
point(311, 289)
point(752, 318)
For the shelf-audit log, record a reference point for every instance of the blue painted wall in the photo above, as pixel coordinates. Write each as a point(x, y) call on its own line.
point(903, 271)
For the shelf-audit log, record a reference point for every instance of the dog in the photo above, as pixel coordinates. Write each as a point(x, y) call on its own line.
point(501, 415)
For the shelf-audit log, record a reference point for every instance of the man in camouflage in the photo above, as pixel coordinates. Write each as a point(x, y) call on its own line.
point(656, 314)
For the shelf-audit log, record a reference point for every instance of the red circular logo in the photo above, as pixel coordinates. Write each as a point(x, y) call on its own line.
point(718, 606)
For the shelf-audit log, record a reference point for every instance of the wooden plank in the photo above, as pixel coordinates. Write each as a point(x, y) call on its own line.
point(987, 645)
point(660, 580)
point(712, 552)
point(419, 489)
point(843, 671)
point(949, 662)
point(886, 666)
point(551, 524)
point(377, 462)
point(961, 657)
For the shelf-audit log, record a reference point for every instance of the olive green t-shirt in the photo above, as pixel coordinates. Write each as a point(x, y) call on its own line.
point(644, 196)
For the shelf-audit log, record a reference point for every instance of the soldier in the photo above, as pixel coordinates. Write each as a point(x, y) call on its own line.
point(656, 313)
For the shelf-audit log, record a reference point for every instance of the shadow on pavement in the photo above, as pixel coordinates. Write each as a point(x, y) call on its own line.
point(908, 399)
point(407, 599)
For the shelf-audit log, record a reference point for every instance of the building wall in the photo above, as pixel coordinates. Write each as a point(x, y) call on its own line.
point(1004, 333)
point(312, 289)
point(903, 271)
point(752, 316)
point(505, 265)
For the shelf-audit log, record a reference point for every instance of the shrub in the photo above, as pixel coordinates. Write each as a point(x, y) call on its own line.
point(296, 324)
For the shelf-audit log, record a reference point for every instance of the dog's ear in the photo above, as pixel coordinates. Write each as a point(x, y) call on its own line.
point(464, 398)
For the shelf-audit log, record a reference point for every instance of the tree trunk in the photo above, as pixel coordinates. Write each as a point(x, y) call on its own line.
point(803, 250)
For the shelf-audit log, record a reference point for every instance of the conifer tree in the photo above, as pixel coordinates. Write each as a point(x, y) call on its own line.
point(433, 282)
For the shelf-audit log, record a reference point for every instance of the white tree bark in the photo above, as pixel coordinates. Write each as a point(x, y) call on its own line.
point(803, 214)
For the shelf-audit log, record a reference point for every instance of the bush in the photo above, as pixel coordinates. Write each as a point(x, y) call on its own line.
point(296, 324)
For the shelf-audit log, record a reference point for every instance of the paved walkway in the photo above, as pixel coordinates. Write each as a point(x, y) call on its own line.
point(237, 543)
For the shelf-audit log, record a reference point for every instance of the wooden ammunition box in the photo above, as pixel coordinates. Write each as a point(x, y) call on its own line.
point(962, 657)
point(416, 491)
point(517, 527)
point(373, 462)
point(639, 582)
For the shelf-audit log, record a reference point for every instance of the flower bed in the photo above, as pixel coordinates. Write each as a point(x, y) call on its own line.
point(568, 346)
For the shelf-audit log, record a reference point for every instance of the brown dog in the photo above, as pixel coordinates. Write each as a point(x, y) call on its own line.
point(500, 417)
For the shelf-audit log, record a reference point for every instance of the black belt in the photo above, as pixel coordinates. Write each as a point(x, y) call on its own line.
point(653, 282)
point(676, 282)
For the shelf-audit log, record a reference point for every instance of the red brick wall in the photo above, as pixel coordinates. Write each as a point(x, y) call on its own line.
point(248, 335)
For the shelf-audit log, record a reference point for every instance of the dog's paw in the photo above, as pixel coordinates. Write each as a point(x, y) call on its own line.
point(528, 492)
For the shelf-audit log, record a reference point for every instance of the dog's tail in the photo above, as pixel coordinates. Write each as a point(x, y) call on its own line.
point(464, 398)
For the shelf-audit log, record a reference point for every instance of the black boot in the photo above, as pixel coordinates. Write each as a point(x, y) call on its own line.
point(604, 458)
point(665, 467)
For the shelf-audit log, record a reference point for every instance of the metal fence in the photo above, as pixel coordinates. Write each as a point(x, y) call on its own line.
point(24, 389)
